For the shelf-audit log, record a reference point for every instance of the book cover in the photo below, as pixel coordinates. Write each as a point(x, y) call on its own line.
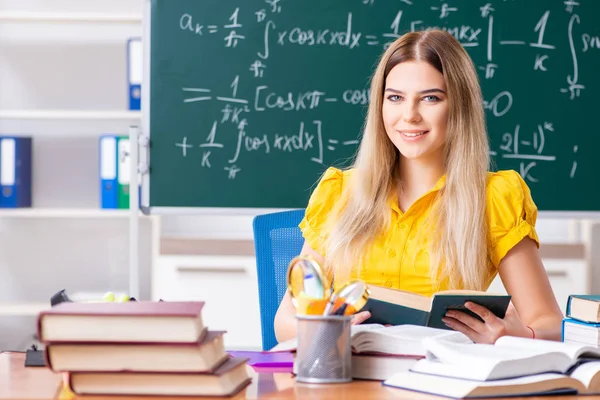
point(386, 311)
point(497, 304)
point(228, 379)
point(586, 309)
point(134, 321)
point(205, 355)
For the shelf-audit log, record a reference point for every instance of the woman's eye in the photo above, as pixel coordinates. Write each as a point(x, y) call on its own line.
point(394, 97)
point(431, 99)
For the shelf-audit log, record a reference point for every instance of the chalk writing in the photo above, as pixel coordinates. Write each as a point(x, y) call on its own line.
point(308, 106)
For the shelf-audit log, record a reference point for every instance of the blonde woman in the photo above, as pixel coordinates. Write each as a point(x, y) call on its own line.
point(419, 210)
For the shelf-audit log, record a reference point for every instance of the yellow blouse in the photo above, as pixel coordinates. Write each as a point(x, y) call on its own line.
point(396, 259)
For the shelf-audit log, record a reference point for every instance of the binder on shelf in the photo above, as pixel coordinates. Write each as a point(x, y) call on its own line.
point(108, 172)
point(123, 178)
point(15, 171)
point(134, 72)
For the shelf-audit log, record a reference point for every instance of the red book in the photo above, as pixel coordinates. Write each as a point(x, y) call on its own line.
point(129, 322)
point(204, 356)
point(228, 379)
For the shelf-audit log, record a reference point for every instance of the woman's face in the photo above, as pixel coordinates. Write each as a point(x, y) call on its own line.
point(415, 110)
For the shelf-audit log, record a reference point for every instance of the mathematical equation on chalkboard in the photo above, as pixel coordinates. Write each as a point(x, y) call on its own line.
point(526, 142)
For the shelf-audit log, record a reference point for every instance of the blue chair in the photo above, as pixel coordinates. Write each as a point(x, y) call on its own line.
point(277, 239)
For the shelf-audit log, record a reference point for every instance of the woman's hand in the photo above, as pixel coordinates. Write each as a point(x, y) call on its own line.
point(360, 317)
point(490, 330)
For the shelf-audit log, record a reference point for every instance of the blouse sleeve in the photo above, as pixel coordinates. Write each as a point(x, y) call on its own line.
point(511, 213)
point(321, 202)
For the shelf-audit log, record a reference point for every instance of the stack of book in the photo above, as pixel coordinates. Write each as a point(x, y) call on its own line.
point(139, 348)
point(513, 366)
point(582, 325)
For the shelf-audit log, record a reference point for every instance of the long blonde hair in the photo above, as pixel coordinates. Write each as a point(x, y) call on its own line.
point(458, 248)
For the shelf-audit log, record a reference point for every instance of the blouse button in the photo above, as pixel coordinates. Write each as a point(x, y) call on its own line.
point(402, 225)
point(392, 253)
point(388, 284)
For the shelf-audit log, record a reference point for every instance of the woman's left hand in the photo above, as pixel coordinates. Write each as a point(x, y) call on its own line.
point(491, 329)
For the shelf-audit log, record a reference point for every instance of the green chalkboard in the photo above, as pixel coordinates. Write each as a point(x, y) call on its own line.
point(251, 100)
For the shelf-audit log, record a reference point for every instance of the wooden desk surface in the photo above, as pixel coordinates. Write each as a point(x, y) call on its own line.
point(18, 383)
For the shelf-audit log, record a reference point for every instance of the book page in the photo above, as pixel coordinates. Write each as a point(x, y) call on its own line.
point(546, 346)
point(460, 388)
point(402, 339)
point(467, 354)
point(585, 373)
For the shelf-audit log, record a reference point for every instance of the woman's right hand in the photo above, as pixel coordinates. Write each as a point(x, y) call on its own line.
point(360, 317)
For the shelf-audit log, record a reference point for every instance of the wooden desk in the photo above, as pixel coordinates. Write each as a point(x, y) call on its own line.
point(19, 383)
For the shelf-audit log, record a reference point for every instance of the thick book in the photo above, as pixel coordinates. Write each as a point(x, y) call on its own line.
point(584, 307)
point(579, 332)
point(397, 307)
point(542, 384)
point(228, 379)
point(401, 340)
point(130, 322)
point(204, 356)
point(509, 357)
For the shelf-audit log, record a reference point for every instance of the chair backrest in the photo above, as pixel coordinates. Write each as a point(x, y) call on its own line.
point(277, 239)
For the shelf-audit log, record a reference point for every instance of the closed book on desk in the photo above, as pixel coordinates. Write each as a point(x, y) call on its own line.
point(204, 356)
point(129, 322)
point(396, 307)
point(226, 380)
point(579, 332)
point(584, 307)
point(15, 172)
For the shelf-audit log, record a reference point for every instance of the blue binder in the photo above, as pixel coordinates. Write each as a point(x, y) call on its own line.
point(108, 171)
point(15, 171)
point(134, 72)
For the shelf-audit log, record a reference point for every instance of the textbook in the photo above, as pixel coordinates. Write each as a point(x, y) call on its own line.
point(583, 380)
point(400, 340)
point(133, 322)
point(579, 332)
point(510, 357)
point(584, 307)
point(228, 379)
point(396, 307)
point(204, 356)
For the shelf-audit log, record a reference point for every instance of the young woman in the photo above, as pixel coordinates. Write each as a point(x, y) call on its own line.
point(419, 210)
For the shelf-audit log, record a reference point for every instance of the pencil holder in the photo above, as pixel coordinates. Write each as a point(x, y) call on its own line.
point(324, 353)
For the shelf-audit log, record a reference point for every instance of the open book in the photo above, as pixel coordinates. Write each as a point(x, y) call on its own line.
point(510, 357)
point(585, 379)
point(396, 307)
point(405, 340)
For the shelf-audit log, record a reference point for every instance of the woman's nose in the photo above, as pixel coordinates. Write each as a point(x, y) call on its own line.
point(411, 113)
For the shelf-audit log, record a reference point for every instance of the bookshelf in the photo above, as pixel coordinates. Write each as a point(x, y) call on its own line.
point(64, 213)
point(65, 17)
point(70, 114)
